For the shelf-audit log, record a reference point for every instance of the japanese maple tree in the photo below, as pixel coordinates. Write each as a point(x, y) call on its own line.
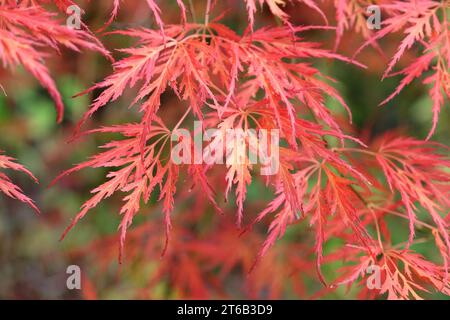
point(332, 184)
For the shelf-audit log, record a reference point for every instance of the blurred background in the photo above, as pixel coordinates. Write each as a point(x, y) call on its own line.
point(33, 261)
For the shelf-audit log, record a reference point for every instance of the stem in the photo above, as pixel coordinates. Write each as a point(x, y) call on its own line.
point(375, 220)
point(356, 150)
point(192, 9)
point(182, 119)
point(208, 9)
point(398, 214)
point(420, 240)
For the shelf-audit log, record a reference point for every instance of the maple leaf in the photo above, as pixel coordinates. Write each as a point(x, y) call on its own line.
point(155, 9)
point(275, 8)
point(193, 61)
point(295, 199)
point(156, 64)
point(421, 22)
point(27, 31)
point(415, 171)
point(137, 175)
point(283, 82)
point(402, 273)
point(352, 15)
point(286, 200)
point(182, 59)
point(8, 187)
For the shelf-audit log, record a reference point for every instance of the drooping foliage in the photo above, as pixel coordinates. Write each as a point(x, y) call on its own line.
point(343, 187)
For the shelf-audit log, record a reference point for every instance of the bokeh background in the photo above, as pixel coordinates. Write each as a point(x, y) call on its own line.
point(33, 261)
